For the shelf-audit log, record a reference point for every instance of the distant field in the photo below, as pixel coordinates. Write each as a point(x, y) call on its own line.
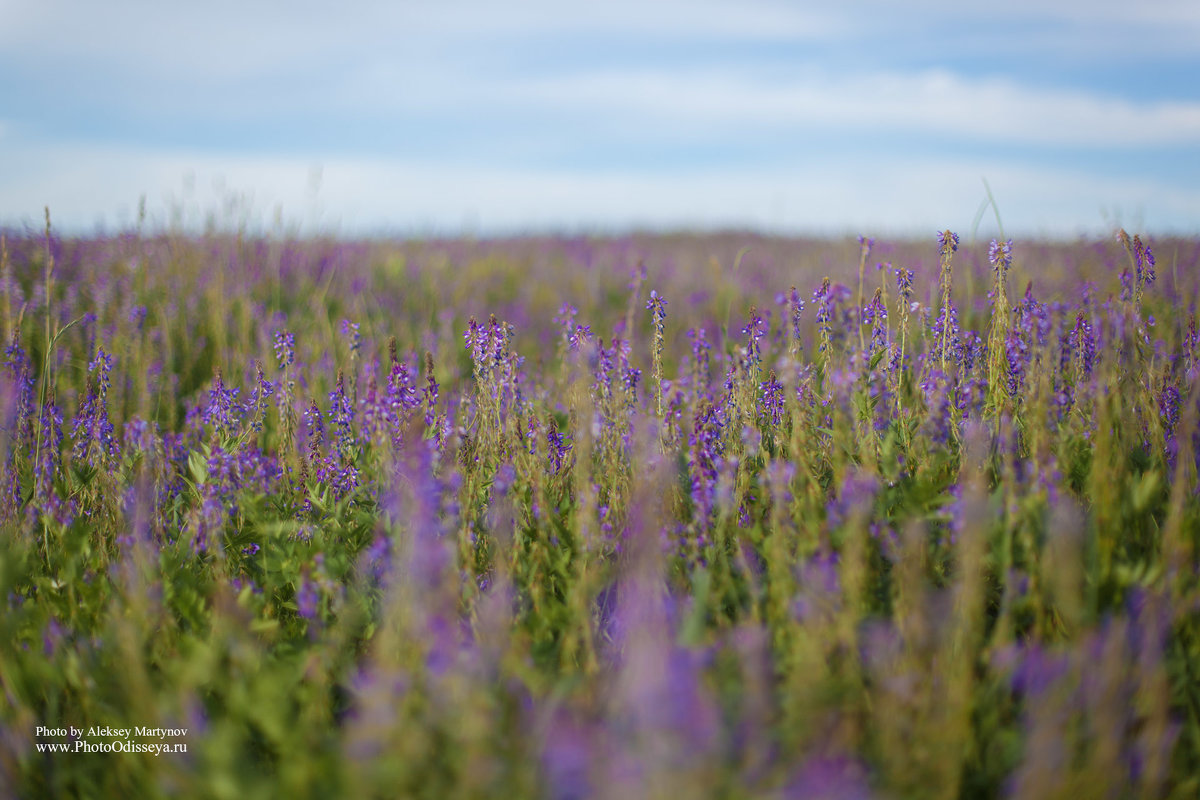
point(657, 516)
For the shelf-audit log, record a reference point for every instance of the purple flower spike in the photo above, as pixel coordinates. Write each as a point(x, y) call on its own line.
point(947, 242)
point(770, 399)
point(285, 349)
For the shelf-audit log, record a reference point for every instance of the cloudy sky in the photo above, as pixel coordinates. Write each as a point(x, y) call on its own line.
point(466, 116)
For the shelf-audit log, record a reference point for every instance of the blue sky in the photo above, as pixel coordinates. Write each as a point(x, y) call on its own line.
point(465, 116)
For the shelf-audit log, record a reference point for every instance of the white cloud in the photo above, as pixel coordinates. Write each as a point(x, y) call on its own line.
point(231, 39)
point(935, 102)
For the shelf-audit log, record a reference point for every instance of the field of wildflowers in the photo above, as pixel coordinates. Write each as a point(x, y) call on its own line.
point(656, 516)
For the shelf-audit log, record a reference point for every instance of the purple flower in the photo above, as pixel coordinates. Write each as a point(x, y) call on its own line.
point(350, 331)
point(904, 283)
point(1168, 407)
point(307, 599)
point(559, 447)
point(1000, 256)
point(823, 298)
point(256, 406)
point(947, 242)
point(91, 430)
point(795, 306)
point(475, 338)
point(316, 429)
point(430, 393)
point(770, 399)
point(565, 316)
point(1084, 342)
point(856, 497)
point(341, 415)
point(946, 325)
point(706, 449)
point(822, 778)
point(658, 304)
point(700, 355)
point(48, 464)
point(1016, 351)
point(875, 315)
point(754, 331)
point(378, 557)
point(222, 411)
point(285, 348)
point(578, 336)
point(939, 394)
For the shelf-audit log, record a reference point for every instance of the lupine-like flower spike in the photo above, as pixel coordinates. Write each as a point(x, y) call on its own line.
point(701, 362)
point(770, 399)
point(823, 300)
point(947, 246)
point(353, 337)
point(999, 367)
point(223, 411)
point(1000, 257)
point(657, 305)
point(285, 349)
point(754, 331)
point(341, 416)
point(875, 315)
point(92, 430)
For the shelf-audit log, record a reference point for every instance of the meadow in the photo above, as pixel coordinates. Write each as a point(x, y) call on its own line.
point(679, 516)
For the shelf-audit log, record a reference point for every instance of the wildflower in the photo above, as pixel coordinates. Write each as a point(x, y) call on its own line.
point(1000, 256)
point(341, 416)
point(285, 349)
point(1168, 407)
point(855, 498)
point(947, 245)
point(316, 427)
point(307, 599)
point(578, 336)
point(559, 446)
point(875, 315)
point(350, 331)
point(795, 307)
point(754, 331)
point(657, 304)
point(705, 451)
point(947, 242)
point(49, 456)
point(430, 392)
point(476, 340)
point(222, 411)
point(256, 406)
point(1083, 341)
point(1016, 351)
point(823, 298)
point(770, 399)
point(91, 426)
point(904, 280)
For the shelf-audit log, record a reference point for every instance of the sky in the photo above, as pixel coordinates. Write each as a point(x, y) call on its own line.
point(488, 118)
